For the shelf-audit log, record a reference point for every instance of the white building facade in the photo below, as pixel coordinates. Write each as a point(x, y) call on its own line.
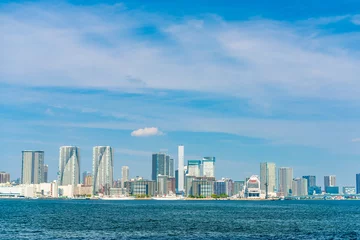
point(181, 168)
point(69, 166)
point(102, 169)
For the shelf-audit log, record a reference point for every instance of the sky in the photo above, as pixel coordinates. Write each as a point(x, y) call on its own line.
point(244, 81)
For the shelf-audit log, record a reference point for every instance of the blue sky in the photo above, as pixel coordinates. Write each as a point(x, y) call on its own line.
point(243, 81)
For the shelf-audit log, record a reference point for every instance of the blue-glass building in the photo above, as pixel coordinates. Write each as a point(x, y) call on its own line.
point(332, 189)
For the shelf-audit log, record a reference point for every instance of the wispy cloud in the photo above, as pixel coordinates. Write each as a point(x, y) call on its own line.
point(355, 140)
point(146, 132)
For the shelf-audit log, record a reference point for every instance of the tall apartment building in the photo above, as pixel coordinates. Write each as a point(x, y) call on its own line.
point(4, 177)
point(162, 164)
point(124, 175)
point(102, 169)
point(194, 168)
point(285, 181)
point(69, 166)
point(180, 175)
point(300, 187)
point(358, 183)
point(208, 167)
point(46, 172)
point(32, 170)
point(268, 177)
point(329, 181)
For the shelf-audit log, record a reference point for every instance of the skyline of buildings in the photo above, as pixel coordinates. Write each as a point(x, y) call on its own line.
point(279, 181)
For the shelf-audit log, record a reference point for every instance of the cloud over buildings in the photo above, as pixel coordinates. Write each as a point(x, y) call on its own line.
point(146, 132)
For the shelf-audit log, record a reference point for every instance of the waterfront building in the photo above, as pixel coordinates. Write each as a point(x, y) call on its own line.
point(181, 173)
point(332, 190)
point(46, 170)
point(208, 167)
point(32, 171)
point(202, 187)
point(358, 183)
point(124, 175)
point(194, 167)
point(285, 181)
point(84, 175)
point(223, 186)
point(4, 177)
point(140, 186)
point(162, 185)
point(329, 181)
point(268, 178)
point(299, 187)
point(349, 190)
point(253, 187)
point(102, 169)
point(188, 185)
point(69, 166)
point(311, 180)
point(238, 187)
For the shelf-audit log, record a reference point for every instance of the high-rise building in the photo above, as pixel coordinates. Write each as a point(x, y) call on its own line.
point(102, 169)
point(88, 181)
point(194, 167)
point(311, 180)
point(32, 171)
point(4, 177)
point(299, 187)
point(238, 187)
point(162, 185)
point(329, 181)
point(253, 187)
point(171, 167)
point(46, 170)
point(69, 166)
point(124, 175)
point(208, 167)
point(180, 168)
point(285, 181)
point(358, 183)
point(267, 177)
point(160, 165)
point(84, 175)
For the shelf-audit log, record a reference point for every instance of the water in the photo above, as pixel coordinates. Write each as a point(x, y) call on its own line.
point(77, 219)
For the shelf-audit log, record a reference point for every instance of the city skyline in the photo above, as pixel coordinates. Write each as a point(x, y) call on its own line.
point(246, 82)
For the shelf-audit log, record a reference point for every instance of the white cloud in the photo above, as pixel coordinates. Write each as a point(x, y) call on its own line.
point(145, 132)
point(356, 19)
point(355, 140)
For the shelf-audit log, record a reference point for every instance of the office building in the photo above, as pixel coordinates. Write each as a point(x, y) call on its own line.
point(69, 166)
point(160, 165)
point(181, 174)
point(349, 190)
point(171, 185)
point(314, 190)
point(32, 171)
point(102, 169)
point(358, 183)
point(311, 180)
point(299, 187)
point(124, 175)
point(268, 178)
point(285, 181)
point(194, 167)
point(4, 177)
point(46, 170)
point(171, 167)
point(188, 185)
point(141, 187)
point(202, 187)
point(238, 187)
point(329, 181)
point(208, 167)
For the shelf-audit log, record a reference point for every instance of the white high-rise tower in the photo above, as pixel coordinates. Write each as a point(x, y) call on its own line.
point(181, 168)
point(102, 169)
point(69, 166)
point(124, 175)
point(267, 177)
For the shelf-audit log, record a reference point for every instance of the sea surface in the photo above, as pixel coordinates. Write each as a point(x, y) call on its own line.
point(142, 219)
